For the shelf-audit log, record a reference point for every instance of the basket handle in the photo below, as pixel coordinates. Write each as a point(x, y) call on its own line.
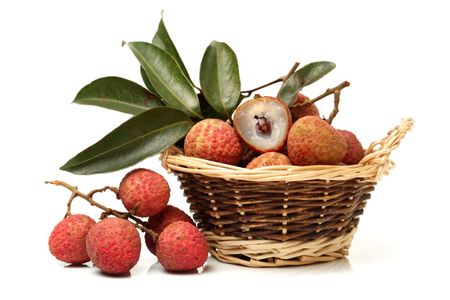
point(378, 152)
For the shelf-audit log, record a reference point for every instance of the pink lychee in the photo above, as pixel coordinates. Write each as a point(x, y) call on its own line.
point(146, 190)
point(158, 222)
point(113, 245)
point(215, 140)
point(312, 141)
point(269, 159)
point(67, 241)
point(355, 151)
point(302, 111)
point(181, 247)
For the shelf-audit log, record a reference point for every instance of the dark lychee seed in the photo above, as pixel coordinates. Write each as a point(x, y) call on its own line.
point(263, 125)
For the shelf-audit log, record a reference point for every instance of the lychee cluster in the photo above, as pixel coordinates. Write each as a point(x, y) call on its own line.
point(114, 244)
point(276, 133)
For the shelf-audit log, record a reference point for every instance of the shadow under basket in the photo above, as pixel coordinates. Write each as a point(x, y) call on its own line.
point(281, 215)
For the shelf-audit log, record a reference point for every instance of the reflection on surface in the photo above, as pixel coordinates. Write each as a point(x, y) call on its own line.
point(214, 266)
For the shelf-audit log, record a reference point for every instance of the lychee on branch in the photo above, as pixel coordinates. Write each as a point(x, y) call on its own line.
point(138, 223)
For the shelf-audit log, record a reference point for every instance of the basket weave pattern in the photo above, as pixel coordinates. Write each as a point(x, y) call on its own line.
point(281, 215)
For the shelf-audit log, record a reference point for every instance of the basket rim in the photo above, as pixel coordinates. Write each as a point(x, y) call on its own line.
point(372, 167)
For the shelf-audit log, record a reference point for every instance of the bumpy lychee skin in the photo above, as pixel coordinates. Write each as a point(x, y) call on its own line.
point(113, 245)
point(67, 241)
point(145, 188)
point(158, 222)
point(312, 141)
point(263, 123)
point(302, 111)
point(215, 140)
point(355, 151)
point(269, 159)
point(181, 247)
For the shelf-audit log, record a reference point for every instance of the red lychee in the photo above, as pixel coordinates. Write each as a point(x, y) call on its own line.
point(67, 241)
point(145, 189)
point(269, 159)
point(215, 140)
point(263, 123)
point(181, 247)
point(302, 111)
point(113, 245)
point(312, 141)
point(355, 151)
point(158, 222)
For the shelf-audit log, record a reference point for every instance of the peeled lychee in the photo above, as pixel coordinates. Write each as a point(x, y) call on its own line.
point(312, 141)
point(355, 151)
point(215, 140)
point(67, 241)
point(144, 190)
point(158, 222)
point(269, 159)
point(181, 247)
point(302, 111)
point(263, 123)
point(113, 245)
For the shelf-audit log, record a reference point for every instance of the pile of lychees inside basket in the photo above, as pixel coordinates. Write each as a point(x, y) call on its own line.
point(217, 121)
point(266, 132)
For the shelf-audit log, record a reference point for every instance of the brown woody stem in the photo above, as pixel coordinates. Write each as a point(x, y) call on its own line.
point(247, 93)
point(336, 91)
point(138, 223)
point(328, 92)
point(335, 111)
point(291, 71)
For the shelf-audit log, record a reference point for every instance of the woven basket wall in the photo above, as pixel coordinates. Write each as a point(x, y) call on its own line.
point(281, 215)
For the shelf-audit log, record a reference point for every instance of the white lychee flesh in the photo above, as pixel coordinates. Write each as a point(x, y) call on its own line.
point(266, 111)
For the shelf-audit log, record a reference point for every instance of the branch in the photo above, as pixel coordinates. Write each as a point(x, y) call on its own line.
point(335, 111)
point(138, 223)
point(328, 92)
point(247, 93)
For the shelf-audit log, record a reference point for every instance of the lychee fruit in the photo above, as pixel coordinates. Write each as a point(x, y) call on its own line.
point(312, 141)
point(215, 140)
point(302, 111)
point(158, 222)
point(145, 191)
point(355, 151)
point(113, 245)
point(67, 241)
point(263, 123)
point(269, 159)
point(181, 247)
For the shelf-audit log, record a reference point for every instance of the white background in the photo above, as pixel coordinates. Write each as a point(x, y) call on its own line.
point(395, 54)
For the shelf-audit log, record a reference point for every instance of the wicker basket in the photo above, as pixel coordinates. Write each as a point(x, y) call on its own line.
point(281, 215)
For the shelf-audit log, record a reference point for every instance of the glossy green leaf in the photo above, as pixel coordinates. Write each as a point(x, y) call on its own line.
point(140, 137)
point(208, 111)
point(147, 82)
point(167, 78)
point(118, 94)
point(219, 78)
point(303, 77)
point(162, 40)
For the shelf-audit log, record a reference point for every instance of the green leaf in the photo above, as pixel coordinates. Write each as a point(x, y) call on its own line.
point(208, 111)
point(162, 40)
point(167, 78)
point(219, 78)
point(118, 94)
point(140, 137)
point(147, 83)
point(303, 77)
